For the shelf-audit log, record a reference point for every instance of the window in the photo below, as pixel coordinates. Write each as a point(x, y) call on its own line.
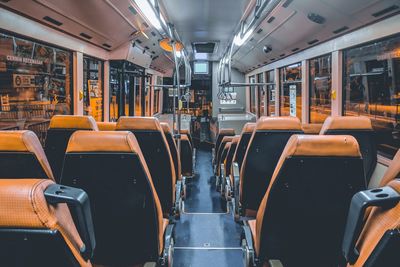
point(148, 94)
point(200, 67)
point(372, 88)
point(252, 89)
point(156, 100)
point(93, 88)
point(35, 84)
point(320, 88)
point(271, 93)
point(290, 97)
point(261, 95)
point(138, 96)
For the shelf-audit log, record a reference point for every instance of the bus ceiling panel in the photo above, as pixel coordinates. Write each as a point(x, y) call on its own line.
point(206, 20)
point(292, 29)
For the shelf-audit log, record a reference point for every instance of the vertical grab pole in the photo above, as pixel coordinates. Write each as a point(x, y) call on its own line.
point(178, 83)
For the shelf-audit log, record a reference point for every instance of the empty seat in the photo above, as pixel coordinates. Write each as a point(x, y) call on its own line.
point(375, 242)
point(229, 157)
point(60, 130)
point(155, 149)
point(264, 149)
point(302, 216)
point(22, 156)
point(36, 227)
point(221, 134)
point(393, 170)
point(361, 129)
point(106, 126)
point(218, 160)
point(187, 132)
point(245, 137)
point(126, 211)
point(311, 128)
point(187, 156)
point(173, 149)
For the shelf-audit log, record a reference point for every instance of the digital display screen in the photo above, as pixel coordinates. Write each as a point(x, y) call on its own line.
point(200, 67)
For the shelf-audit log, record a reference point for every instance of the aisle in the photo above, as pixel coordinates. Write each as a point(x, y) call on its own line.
point(206, 235)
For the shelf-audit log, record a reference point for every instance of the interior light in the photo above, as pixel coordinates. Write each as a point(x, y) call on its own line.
point(178, 53)
point(200, 55)
point(241, 40)
point(148, 11)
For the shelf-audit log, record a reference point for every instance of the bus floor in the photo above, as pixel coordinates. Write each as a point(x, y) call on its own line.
point(206, 234)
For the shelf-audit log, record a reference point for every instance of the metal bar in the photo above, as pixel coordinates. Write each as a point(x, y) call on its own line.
point(178, 136)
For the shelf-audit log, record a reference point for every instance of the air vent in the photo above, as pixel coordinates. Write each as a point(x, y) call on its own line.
point(316, 18)
point(106, 45)
point(53, 21)
point(146, 47)
point(85, 35)
point(5, 1)
point(282, 55)
point(132, 10)
point(153, 33)
point(345, 28)
point(153, 52)
point(204, 47)
point(271, 19)
point(138, 41)
point(287, 3)
point(259, 30)
point(385, 11)
point(145, 24)
point(272, 59)
point(295, 49)
point(313, 41)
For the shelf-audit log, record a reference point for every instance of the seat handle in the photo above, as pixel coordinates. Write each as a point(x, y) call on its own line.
point(78, 201)
point(385, 197)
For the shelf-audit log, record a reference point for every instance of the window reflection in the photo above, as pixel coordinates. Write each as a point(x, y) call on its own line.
point(93, 88)
point(320, 88)
point(252, 95)
point(372, 88)
point(271, 93)
point(290, 97)
point(35, 84)
point(261, 95)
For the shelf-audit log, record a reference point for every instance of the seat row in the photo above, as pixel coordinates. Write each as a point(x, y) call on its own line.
point(293, 191)
point(128, 174)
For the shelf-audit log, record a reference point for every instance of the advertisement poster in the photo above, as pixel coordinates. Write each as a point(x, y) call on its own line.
point(230, 100)
point(292, 98)
point(22, 80)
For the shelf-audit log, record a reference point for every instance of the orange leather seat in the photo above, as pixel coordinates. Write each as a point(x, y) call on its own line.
point(263, 151)
point(229, 157)
point(311, 128)
point(189, 136)
point(361, 129)
point(106, 126)
point(22, 156)
point(128, 217)
point(155, 149)
point(219, 153)
point(302, 215)
point(60, 130)
point(36, 227)
point(377, 243)
point(393, 170)
point(173, 149)
point(221, 134)
point(243, 143)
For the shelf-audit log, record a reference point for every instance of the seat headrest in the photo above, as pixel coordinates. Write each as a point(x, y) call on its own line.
point(227, 139)
point(103, 141)
point(185, 131)
point(235, 139)
point(227, 145)
point(184, 137)
point(226, 131)
point(311, 128)
point(322, 146)
point(106, 126)
point(139, 123)
point(23, 205)
point(165, 127)
point(25, 141)
point(278, 123)
point(249, 127)
point(346, 123)
point(73, 122)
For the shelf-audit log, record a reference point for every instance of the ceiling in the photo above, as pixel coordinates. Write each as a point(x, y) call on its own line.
point(205, 21)
point(111, 23)
point(291, 31)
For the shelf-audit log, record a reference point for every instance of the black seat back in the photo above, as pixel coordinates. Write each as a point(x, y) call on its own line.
point(264, 149)
point(155, 149)
point(221, 134)
point(361, 129)
point(302, 216)
point(187, 156)
point(22, 156)
point(60, 130)
point(173, 149)
point(126, 211)
point(243, 143)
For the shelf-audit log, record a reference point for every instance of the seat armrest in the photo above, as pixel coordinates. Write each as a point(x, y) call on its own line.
point(275, 263)
point(78, 202)
point(385, 197)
